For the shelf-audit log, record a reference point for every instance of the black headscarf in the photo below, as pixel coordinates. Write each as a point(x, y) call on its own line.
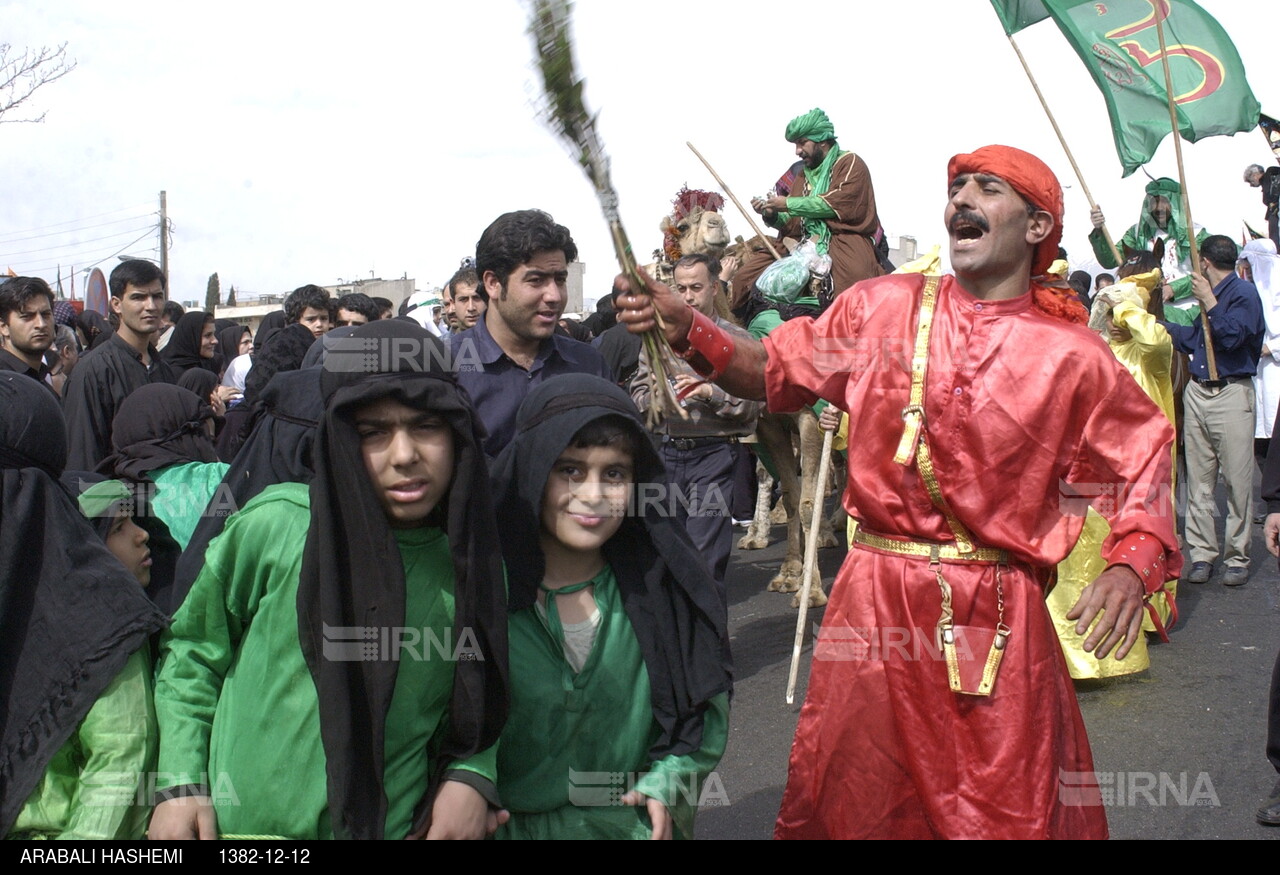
point(199, 382)
point(278, 450)
point(267, 329)
point(158, 425)
point(229, 343)
point(182, 352)
point(70, 613)
point(283, 352)
point(97, 330)
point(666, 589)
point(352, 569)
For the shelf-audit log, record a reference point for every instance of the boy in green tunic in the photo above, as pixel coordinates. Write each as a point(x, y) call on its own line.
point(339, 667)
point(91, 788)
point(619, 670)
point(76, 736)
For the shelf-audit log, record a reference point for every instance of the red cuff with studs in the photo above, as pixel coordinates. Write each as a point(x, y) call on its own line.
point(710, 347)
point(1145, 555)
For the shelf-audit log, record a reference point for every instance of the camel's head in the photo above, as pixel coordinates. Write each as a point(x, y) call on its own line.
point(695, 226)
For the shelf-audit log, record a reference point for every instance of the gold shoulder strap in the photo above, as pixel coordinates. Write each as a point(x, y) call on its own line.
point(915, 442)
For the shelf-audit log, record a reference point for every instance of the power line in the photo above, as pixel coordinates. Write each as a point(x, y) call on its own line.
point(121, 249)
point(124, 233)
point(81, 219)
point(76, 230)
point(49, 268)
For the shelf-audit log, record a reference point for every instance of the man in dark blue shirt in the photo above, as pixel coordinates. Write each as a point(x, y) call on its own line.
point(523, 263)
point(1219, 413)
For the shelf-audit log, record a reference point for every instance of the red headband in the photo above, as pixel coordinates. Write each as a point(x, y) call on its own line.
point(1031, 178)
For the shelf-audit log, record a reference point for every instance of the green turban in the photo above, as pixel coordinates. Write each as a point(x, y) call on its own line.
point(813, 125)
point(1146, 229)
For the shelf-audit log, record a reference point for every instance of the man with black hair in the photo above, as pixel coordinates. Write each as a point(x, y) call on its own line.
point(918, 738)
point(1101, 281)
point(386, 309)
point(1219, 412)
point(107, 374)
point(355, 309)
point(522, 262)
point(310, 306)
point(26, 325)
point(468, 300)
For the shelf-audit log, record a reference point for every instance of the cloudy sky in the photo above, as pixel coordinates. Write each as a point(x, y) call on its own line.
point(316, 142)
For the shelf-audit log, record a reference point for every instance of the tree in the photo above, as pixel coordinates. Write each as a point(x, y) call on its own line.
point(212, 293)
point(231, 296)
point(22, 73)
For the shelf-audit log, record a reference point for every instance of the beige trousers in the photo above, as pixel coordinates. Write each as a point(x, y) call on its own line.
point(1218, 435)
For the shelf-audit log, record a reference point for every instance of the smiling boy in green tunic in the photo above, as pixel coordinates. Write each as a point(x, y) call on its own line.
point(619, 678)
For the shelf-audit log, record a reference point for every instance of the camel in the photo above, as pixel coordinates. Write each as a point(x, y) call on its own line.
point(781, 435)
point(694, 226)
point(794, 442)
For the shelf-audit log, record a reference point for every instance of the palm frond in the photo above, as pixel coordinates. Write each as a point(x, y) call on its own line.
point(565, 112)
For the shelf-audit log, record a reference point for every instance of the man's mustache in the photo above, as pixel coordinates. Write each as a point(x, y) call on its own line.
point(968, 218)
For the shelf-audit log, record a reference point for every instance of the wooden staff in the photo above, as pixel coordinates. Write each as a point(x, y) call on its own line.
point(810, 560)
point(1106, 235)
point(746, 215)
point(1210, 358)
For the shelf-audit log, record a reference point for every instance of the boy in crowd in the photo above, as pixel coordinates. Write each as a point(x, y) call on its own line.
point(374, 732)
point(618, 642)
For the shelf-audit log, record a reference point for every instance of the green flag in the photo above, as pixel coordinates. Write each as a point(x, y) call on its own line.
point(1017, 14)
point(1118, 42)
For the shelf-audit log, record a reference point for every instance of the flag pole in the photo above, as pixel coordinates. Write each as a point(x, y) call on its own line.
point(1210, 358)
point(1106, 235)
point(736, 202)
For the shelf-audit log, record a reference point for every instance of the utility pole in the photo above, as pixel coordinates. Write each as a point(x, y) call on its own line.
point(164, 237)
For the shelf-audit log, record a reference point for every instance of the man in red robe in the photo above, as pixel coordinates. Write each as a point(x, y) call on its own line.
point(966, 496)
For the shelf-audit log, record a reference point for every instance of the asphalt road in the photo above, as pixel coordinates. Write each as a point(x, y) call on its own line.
point(1179, 749)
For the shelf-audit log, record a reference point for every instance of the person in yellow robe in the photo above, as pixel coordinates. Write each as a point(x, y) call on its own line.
point(1122, 314)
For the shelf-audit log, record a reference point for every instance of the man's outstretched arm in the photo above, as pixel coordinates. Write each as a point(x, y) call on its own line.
point(737, 362)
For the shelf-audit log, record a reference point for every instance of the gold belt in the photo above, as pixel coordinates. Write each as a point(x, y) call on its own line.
point(948, 633)
point(930, 550)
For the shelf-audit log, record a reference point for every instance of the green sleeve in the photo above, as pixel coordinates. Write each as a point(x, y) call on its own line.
point(1101, 251)
point(1180, 316)
point(677, 781)
point(809, 207)
point(484, 764)
point(479, 772)
point(118, 742)
point(1182, 289)
point(200, 645)
point(764, 322)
